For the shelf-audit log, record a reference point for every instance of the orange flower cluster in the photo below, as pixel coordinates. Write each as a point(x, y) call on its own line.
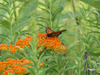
point(25, 42)
point(50, 43)
point(20, 43)
point(3, 66)
point(14, 66)
point(3, 46)
point(12, 48)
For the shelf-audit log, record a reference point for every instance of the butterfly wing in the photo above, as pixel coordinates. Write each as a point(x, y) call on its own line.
point(55, 34)
point(48, 30)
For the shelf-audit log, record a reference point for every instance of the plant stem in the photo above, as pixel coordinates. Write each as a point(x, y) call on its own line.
point(11, 33)
point(55, 57)
point(86, 63)
point(10, 17)
point(51, 15)
point(56, 63)
point(15, 12)
point(77, 20)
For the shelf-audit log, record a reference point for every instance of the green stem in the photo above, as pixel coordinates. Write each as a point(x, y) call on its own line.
point(35, 71)
point(77, 21)
point(15, 12)
point(57, 63)
point(11, 33)
point(55, 57)
point(51, 16)
point(10, 20)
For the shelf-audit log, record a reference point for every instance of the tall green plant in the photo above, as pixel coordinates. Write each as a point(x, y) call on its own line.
point(53, 14)
point(16, 16)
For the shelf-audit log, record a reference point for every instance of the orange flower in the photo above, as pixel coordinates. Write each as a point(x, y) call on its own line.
point(41, 64)
point(3, 66)
point(13, 48)
point(41, 51)
point(19, 69)
point(14, 66)
point(10, 70)
point(63, 49)
point(4, 46)
point(26, 42)
point(50, 43)
point(25, 61)
point(29, 38)
point(12, 61)
point(21, 43)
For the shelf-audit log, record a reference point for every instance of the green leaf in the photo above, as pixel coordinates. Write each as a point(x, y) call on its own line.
point(4, 8)
point(43, 21)
point(3, 35)
point(49, 69)
point(27, 8)
point(44, 58)
point(94, 3)
point(95, 52)
point(45, 10)
point(21, 24)
point(5, 24)
point(31, 70)
point(42, 4)
point(6, 1)
point(4, 56)
point(64, 70)
point(41, 25)
point(2, 15)
point(84, 40)
point(10, 73)
point(57, 12)
point(62, 59)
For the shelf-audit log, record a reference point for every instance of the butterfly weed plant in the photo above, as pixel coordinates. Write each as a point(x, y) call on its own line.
point(31, 42)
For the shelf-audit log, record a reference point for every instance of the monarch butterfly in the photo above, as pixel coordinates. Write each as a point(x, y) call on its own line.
point(51, 33)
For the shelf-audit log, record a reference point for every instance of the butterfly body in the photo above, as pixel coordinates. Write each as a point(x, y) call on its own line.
point(51, 33)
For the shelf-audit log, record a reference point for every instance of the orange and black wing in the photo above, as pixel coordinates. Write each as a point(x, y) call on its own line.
point(55, 34)
point(48, 30)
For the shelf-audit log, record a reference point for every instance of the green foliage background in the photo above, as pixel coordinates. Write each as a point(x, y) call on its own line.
point(81, 19)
